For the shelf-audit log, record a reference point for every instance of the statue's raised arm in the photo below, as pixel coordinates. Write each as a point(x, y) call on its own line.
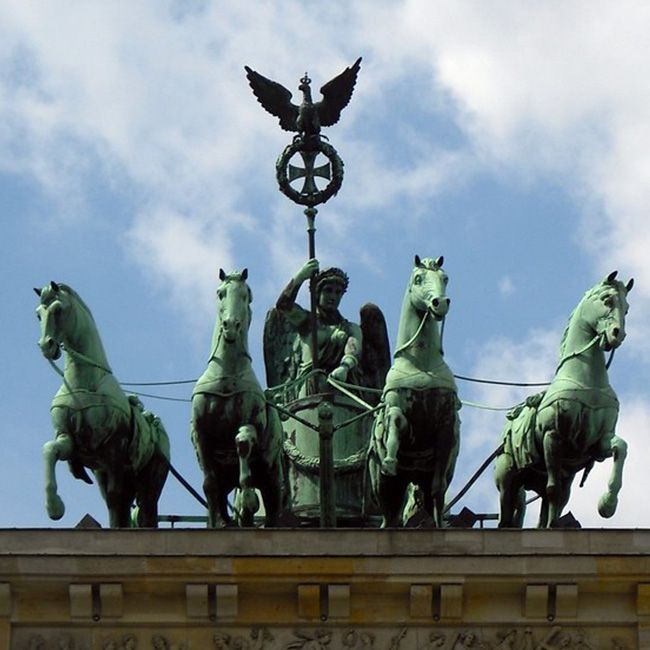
point(341, 344)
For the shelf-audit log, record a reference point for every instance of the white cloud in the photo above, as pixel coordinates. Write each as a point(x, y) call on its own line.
point(181, 255)
point(555, 89)
point(158, 97)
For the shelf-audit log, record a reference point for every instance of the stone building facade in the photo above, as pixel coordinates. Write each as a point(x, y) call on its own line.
point(324, 589)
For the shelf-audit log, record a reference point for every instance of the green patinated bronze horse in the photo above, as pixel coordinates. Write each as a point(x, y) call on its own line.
point(550, 437)
point(96, 425)
point(416, 436)
point(236, 435)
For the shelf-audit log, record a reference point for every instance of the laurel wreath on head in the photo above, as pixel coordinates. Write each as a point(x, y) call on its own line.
point(315, 198)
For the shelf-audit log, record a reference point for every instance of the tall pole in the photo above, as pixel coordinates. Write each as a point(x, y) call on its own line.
point(306, 120)
point(310, 213)
point(326, 467)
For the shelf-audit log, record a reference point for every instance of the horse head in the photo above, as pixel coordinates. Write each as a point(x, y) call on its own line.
point(605, 308)
point(428, 286)
point(235, 298)
point(52, 315)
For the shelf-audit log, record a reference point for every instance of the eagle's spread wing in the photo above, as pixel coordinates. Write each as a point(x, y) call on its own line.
point(275, 98)
point(337, 94)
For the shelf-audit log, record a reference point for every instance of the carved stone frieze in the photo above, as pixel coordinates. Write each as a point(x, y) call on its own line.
point(433, 637)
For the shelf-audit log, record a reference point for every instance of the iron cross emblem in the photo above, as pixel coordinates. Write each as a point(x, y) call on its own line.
point(309, 172)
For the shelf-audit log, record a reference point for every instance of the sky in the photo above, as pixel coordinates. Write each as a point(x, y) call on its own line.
point(135, 163)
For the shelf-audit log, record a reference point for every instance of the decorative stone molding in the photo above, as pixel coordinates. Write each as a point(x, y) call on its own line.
point(643, 599)
point(338, 598)
point(451, 601)
point(81, 601)
point(536, 601)
point(111, 600)
point(566, 601)
point(421, 601)
point(196, 601)
point(5, 599)
point(226, 597)
point(540, 637)
point(309, 607)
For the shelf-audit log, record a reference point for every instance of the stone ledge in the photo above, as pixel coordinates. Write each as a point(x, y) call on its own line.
point(329, 542)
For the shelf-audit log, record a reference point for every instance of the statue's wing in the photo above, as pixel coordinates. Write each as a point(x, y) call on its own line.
point(337, 94)
point(280, 349)
point(375, 348)
point(275, 98)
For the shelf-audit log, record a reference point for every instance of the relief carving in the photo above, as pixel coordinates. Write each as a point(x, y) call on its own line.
point(406, 638)
point(126, 642)
point(358, 640)
point(160, 642)
point(310, 640)
point(258, 638)
point(37, 642)
point(58, 642)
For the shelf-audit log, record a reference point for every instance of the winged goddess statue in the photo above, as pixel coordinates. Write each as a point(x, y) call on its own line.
point(308, 117)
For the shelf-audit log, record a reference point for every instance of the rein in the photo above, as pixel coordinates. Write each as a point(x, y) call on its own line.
point(412, 340)
point(582, 350)
point(81, 357)
point(87, 360)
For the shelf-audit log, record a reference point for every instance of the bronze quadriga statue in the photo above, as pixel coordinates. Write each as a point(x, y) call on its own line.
point(236, 435)
point(554, 435)
point(96, 425)
point(416, 437)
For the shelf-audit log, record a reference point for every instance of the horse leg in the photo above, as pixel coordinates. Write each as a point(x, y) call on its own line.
point(217, 514)
point(54, 450)
point(564, 493)
point(118, 497)
point(438, 489)
point(270, 486)
point(391, 499)
point(508, 491)
point(520, 508)
point(245, 440)
point(150, 485)
point(617, 448)
point(543, 522)
point(396, 424)
point(200, 429)
point(551, 444)
point(271, 483)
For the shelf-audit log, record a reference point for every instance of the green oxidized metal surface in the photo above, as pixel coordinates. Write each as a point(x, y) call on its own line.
point(554, 435)
point(349, 447)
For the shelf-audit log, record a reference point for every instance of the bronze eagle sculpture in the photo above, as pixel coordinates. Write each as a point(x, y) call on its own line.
point(308, 118)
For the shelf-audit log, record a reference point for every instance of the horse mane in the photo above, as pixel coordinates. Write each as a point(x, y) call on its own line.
point(597, 292)
point(67, 288)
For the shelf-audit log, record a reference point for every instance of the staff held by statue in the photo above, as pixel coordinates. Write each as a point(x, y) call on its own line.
point(306, 120)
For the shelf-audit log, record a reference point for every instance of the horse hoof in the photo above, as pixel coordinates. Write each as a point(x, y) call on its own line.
point(55, 508)
point(389, 467)
point(219, 523)
point(248, 501)
point(607, 506)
